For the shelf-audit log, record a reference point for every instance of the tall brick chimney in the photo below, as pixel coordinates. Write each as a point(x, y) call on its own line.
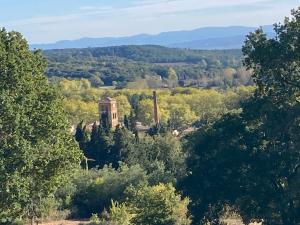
point(156, 116)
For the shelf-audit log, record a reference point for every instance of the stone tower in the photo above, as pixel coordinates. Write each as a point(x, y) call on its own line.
point(108, 112)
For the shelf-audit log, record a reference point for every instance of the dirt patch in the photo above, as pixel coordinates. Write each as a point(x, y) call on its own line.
point(237, 222)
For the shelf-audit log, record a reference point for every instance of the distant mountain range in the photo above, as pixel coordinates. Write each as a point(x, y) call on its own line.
point(207, 38)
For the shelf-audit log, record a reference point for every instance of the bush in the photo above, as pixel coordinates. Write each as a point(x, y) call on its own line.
point(96, 188)
point(50, 210)
point(161, 156)
point(95, 219)
point(156, 205)
point(120, 214)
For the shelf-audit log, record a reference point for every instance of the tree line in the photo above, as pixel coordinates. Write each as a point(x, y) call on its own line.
point(149, 66)
point(181, 107)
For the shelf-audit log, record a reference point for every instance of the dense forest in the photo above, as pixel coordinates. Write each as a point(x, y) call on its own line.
point(241, 160)
point(182, 107)
point(149, 66)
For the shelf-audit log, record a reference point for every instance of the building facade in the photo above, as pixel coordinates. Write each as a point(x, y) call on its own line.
point(108, 112)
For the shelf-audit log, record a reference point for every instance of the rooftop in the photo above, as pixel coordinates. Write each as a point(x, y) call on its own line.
point(107, 99)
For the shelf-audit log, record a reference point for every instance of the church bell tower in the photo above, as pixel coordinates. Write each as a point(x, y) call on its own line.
point(108, 112)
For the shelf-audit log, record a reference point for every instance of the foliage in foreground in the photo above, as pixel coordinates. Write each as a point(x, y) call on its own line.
point(95, 189)
point(127, 194)
point(36, 148)
point(156, 205)
point(251, 161)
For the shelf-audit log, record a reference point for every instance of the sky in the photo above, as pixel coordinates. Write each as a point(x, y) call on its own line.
point(46, 21)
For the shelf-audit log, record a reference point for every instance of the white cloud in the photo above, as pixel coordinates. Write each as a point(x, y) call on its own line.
point(143, 7)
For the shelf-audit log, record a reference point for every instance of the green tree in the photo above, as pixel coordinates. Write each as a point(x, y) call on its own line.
point(94, 189)
point(98, 149)
point(217, 168)
point(81, 135)
point(251, 160)
point(161, 156)
point(208, 105)
point(130, 124)
point(96, 80)
point(124, 106)
point(36, 147)
point(276, 111)
point(127, 122)
point(157, 205)
point(145, 112)
point(172, 78)
point(181, 115)
point(158, 129)
point(124, 142)
point(120, 214)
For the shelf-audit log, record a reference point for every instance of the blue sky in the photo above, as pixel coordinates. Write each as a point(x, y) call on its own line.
point(43, 21)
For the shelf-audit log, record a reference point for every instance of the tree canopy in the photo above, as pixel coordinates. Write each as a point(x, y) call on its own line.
point(36, 148)
point(250, 160)
point(157, 205)
point(149, 67)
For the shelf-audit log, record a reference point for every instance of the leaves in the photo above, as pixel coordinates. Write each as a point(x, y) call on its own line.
point(249, 160)
point(36, 147)
point(158, 204)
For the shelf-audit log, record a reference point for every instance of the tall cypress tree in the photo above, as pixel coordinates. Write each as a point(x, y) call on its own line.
point(123, 143)
point(81, 136)
point(126, 122)
point(132, 121)
point(94, 134)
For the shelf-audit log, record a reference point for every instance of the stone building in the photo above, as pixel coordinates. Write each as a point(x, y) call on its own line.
point(108, 112)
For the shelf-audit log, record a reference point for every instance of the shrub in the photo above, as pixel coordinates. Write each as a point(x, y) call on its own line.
point(120, 214)
point(156, 205)
point(95, 219)
point(96, 188)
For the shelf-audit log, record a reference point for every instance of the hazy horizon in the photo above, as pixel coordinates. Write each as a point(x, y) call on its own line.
point(154, 34)
point(50, 21)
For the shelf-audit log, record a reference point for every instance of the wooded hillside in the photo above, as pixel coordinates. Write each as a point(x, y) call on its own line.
point(149, 65)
